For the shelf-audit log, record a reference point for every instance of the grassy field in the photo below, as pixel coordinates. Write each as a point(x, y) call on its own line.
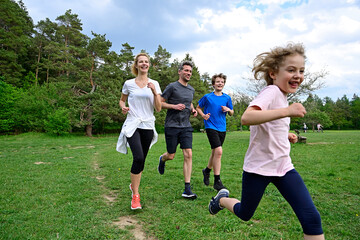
point(77, 188)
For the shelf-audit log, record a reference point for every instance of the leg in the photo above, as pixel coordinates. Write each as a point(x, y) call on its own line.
point(171, 138)
point(216, 160)
point(253, 187)
point(187, 164)
point(293, 188)
point(139, 145)
point(216, 139)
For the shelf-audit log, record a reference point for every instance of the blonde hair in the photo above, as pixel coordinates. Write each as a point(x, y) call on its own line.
point(134, 70)
point(267, 62)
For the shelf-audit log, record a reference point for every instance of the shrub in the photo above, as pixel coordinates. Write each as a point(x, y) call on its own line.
point(58, 122)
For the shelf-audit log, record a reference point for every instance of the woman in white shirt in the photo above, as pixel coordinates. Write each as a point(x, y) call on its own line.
point(142, 95)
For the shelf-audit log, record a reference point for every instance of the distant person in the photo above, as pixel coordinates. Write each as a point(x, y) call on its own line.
point(319, 127)
point(177, 99)
point(267, 159)
point(216, 105)
point(143, 96)
point(305, 127)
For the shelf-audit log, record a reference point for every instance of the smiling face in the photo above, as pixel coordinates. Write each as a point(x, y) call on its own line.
point(143, 64)
point(185, 73)
point(219, 84)
point(290, 74)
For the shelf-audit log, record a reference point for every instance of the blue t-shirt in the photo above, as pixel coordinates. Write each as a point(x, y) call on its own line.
point(212, 104)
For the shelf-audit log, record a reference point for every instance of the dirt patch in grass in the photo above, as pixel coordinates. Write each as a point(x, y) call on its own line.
point(315, 143)
point(125, 222)
point(128, 222)
point(38, 163)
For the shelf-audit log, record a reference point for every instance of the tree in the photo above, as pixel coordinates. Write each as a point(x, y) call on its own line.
point(89, 79)
point(16, 28)
point(69, 34)
point(316, 116)
point(43, 36)
point(126, 59)
point(355, 111)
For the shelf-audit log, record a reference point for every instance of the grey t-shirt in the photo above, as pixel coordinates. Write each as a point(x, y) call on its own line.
point(176, 93)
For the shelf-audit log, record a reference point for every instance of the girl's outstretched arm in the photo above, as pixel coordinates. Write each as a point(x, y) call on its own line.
point(254, 115)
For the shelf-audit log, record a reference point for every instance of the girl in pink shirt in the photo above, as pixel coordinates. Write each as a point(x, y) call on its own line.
point(267, 159)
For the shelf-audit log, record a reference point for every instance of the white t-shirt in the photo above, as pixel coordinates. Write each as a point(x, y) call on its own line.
point(269, 147)
point(141, 102)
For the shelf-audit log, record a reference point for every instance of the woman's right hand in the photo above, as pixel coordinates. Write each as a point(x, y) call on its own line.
point(125, 110)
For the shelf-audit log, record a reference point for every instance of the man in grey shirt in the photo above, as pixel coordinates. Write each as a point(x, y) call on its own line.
point(177, 99)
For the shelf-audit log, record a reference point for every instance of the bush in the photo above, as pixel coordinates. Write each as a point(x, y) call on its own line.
point(58, 122)
point(8, 98)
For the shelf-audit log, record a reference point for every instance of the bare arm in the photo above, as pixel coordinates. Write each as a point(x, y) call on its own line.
point(122, 104)
point(157, 98)
point(228, 110)
point(166, 105)
point(193, 110)
point(200, 111)
point(254, 115)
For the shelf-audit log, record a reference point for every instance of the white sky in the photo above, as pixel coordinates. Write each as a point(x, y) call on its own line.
point(226, 35)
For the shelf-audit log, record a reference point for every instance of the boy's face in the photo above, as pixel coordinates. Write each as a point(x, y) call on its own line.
point(290, 74)
point(219, 84)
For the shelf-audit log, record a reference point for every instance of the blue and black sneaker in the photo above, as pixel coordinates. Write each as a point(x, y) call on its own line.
point(188, 194)
point(214, 205)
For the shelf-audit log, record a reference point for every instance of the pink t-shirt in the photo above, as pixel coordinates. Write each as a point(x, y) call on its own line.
point(269, 146)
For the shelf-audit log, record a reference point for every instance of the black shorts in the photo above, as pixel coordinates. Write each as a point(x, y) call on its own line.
point(216, 138)
point(174, 136)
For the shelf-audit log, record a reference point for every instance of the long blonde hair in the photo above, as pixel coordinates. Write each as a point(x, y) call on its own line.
point(134, 69)
point(267, 62)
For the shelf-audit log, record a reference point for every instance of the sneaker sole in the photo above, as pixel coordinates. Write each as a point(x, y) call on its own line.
point(189, 196)
point(135, 208)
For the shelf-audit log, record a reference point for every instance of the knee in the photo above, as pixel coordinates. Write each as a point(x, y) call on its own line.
point(137, 167)
point(188, 155)
point(240, 213)
point(311, 222)
point(218, 151)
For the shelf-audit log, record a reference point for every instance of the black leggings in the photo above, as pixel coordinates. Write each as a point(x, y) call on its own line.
point(139, 144)
point(291, 187)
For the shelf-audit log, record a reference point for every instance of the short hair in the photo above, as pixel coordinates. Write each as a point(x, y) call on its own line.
point(185, 62)
point(134, 70)
point(220, 75)
point(267, 62)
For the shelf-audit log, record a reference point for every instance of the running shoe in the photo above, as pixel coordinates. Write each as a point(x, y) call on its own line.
point(161, 167)
point(206, 177)
point(214, 205)
point(135, 202)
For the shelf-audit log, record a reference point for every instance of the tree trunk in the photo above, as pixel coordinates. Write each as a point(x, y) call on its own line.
point(37, 67)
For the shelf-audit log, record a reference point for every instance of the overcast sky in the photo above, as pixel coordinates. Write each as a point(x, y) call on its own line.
point(226, 35)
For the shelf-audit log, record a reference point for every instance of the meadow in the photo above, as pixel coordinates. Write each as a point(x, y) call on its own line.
point(76, 187)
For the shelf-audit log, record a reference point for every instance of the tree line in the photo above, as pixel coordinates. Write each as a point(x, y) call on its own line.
point(55, 79)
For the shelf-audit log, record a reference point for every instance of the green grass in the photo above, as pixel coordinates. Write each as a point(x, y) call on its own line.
point(62, 198)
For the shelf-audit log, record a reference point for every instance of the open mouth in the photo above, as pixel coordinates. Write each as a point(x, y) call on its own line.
point(293, 84)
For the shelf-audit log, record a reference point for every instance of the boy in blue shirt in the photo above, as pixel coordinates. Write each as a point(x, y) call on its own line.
point(213, 108)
